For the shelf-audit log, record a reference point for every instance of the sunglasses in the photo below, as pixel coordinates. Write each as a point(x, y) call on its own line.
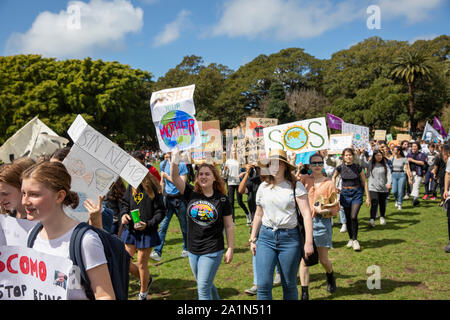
point(316, 164)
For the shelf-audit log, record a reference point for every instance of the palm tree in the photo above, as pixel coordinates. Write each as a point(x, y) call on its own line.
point(412, 67)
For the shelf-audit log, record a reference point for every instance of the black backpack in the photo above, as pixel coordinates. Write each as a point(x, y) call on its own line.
point(117, 257)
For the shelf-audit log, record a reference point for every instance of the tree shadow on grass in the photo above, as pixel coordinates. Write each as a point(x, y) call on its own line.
point(371, 243)
point(360, 287)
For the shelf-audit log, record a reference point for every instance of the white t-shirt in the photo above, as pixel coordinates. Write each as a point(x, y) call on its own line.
point(92, 252)
point(278, 204)
point(233, 172)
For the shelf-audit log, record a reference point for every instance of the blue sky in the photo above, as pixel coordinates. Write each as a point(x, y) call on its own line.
point(155, 35)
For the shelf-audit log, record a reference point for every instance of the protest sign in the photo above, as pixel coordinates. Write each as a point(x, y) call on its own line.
point(14, 232)
point(173, 113)
point(402, 136)
point(107, 152)
point(255, 137)
point(32, 140)
point(297, 137)
point(389, 137)
point(338, 142)
point(26, 274)
point(303, 157)
point(379, 135)
point(211, 147)
point(360, 134)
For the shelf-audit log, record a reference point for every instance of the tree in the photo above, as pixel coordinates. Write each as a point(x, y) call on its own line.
point(109, 95)
point(411, 68)
point(278, 106)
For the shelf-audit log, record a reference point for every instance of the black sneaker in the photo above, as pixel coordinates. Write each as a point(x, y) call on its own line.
point(331, 282)
point(415, 202)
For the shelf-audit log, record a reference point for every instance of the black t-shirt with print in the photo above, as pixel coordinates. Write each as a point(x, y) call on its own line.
point(351, 175)
point(204, 217)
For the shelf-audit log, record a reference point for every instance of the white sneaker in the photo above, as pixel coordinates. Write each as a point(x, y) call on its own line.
point(142, 296)
point(356, 246)
point(399, 207)
point(406, 197)
point(184, 254)
point(350, 243)
point(155, 256)
point(372, 223)
point(382, 221)
point(343, 228)
point(396, 204)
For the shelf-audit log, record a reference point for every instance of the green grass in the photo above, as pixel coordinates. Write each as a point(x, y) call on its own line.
point(409, 250)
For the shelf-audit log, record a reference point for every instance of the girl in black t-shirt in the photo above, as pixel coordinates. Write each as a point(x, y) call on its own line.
point(353, 186)
point(208, 213)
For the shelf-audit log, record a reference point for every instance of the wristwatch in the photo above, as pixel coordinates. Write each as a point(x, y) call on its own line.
point(252, 240)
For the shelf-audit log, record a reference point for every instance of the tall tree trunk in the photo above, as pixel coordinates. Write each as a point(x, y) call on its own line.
point(412, 121)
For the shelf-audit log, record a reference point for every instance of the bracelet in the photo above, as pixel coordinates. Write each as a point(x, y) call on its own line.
point(252, 240)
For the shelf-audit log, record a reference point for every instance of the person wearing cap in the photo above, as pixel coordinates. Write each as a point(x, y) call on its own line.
point(275, 236)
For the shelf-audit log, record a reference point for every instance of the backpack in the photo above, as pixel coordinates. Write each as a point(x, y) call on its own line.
point(117, 258)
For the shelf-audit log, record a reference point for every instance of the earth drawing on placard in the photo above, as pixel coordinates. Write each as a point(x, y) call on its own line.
point(296, 138)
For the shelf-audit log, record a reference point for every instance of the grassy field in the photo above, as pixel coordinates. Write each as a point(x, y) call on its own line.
point(409, 251)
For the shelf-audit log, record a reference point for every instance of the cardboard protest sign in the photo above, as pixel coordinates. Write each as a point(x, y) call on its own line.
point(379, 135)
point(107, 152)
point(211, 147)
point(32, 140)
point(26, 274)
point(173, 113)
point(360, 134)
point(338, 142)
point(95, 163)
point(236, 142)
point(402, 136)
point(255, 137)
point(297, 137)
point(14, 232)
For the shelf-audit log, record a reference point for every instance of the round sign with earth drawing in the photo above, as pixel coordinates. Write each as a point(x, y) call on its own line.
point(296, 138)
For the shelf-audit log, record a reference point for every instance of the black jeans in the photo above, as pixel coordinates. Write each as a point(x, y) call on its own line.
point(378, 199)
point(231, 191)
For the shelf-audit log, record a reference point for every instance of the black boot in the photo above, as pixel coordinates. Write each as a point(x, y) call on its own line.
point(305, 294)
point(331, 286)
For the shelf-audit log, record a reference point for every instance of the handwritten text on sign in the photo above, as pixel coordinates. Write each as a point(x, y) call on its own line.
point(26, 274)
point(297, 137)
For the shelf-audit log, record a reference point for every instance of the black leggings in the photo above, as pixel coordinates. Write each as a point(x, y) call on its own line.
point(378, 198)
point(351, 215)
point(231, 191)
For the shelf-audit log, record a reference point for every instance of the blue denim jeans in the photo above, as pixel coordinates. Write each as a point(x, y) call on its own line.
point(204, 267)
point(398, 185)
point(179, 208)
point(283, 246)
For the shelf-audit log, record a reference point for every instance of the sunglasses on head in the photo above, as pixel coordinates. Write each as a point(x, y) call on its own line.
point(316, 164)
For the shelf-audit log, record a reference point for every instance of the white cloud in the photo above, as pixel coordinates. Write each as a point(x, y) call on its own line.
point(284, 19)
point(289, 19)
point(101, 24)
point(412, 10)
point(171, 31)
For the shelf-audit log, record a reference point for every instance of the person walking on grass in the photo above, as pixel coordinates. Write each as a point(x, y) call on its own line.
point(209, 214)
point(141, 236)
point(275, 237)
point(446, 157)
point(401, 173)
point(380, 182)
point(320, 189)
point(416, 161)
point(354, 184)
point(430, 180)
point(174, 203)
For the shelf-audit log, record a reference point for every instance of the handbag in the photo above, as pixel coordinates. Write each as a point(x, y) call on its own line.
point(314, 258)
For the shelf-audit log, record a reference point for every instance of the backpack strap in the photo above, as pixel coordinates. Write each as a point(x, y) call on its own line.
point(77, 258)
point(33, 234)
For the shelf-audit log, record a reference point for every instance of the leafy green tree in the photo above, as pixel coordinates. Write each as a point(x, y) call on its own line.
point(278, 106)
point(411, 68)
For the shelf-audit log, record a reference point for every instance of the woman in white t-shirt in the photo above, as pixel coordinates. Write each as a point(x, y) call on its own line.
point(275, 237)
point(45, 190)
